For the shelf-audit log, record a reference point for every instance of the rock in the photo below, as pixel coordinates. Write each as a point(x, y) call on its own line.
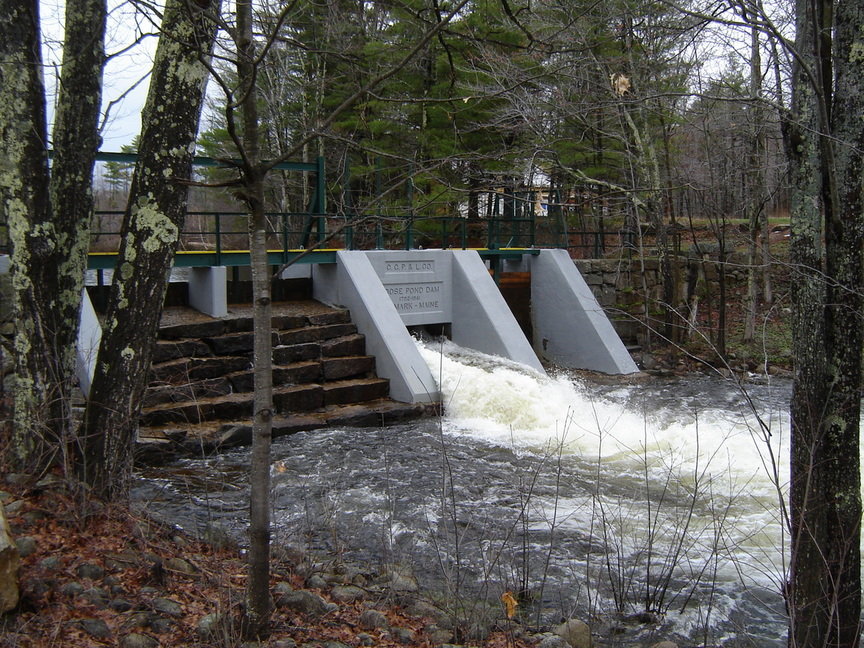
point(167, 606)
point(9, 563)
point(373, 620)
point(72, 588)
point(421, 608)
point(89, 570)
point(39, 587)
point(553, 641)
point(575, 632)
point(217, 537)
point(304, 602)
point(365, 639)
point(136, 640)
point(401, 580)
point(180, 565)
point(96, 628)
point(96, 596)
point(52, 481)
point(161, 625)
point(437, 634)
point(211, 626)
point(346, 593)
point(404, 635)
point(120, 605)
point(649, 362)
point(440, 636)
point(316, 581)
point(665, 644)
point(138, 620)
point(26, 546)
point(291, 554)
point(32, 517)
point(51, 563)
point(14, 508)
point(6, 497)
point(283, 643)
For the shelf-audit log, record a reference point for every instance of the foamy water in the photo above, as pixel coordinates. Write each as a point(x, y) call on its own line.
point(599, 500)
point(728, 466)
point(509, 403)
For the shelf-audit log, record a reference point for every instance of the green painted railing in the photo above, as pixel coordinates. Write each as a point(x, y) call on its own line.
point(220, 238)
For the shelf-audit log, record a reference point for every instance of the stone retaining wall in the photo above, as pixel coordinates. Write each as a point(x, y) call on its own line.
point(620, 285)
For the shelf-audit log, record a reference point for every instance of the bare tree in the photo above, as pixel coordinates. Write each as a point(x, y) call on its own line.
point(48, 213)
point(825, 141)
point(153, 220)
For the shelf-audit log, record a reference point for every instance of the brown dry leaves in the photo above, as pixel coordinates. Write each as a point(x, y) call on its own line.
point(134, 553)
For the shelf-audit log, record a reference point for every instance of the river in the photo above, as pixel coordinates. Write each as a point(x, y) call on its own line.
point(595, 500)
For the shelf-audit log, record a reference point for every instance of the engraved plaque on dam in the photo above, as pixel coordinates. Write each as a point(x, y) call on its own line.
point(418, 284)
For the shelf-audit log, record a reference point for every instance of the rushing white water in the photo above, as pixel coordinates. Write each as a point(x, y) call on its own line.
point(508, 403)
point(598, 501)
point(680, 478)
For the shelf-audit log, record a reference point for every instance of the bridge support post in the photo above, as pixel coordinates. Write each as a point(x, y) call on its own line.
point(208, 290)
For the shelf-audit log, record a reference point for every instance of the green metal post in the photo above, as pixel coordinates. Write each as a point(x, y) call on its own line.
point(321, 197)
point(218, 232)
point(284, 237)
point(409, 228)
point(379, 233)
point(347, 204)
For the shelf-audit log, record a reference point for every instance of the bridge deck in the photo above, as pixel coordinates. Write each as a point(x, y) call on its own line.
point(207, 258)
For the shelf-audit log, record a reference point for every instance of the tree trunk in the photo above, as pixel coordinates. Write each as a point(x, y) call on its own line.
point(756, 189)
point(153, 220)
point(49, 219)
point(824, 143)
point(258, 604)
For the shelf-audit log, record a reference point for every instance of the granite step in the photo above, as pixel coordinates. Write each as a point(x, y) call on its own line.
point(159, 443)
point(343, 392)
point(206, 327)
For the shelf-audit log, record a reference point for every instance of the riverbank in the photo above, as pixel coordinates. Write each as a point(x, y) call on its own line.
point(94, 575)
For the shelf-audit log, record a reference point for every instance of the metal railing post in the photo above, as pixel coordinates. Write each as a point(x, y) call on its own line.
point(218, 232)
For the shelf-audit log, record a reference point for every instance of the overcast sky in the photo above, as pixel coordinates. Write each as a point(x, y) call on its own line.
point(121, 72)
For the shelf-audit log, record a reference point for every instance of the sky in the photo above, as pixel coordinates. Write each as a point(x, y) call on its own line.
point(123, 70)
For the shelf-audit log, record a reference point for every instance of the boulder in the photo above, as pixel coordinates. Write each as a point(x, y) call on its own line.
point(96, 628)
point(211, 626)
point(167, 606)
point(304, 602)
point(346, 593)
point(373, 620)
point(26, 546)
point(9, 563)
point(575, 632)
point(665, 644)
point(553, 641)
point(136, 640)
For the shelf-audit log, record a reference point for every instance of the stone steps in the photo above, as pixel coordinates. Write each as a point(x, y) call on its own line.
point(202, 378)
point(161, 442)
